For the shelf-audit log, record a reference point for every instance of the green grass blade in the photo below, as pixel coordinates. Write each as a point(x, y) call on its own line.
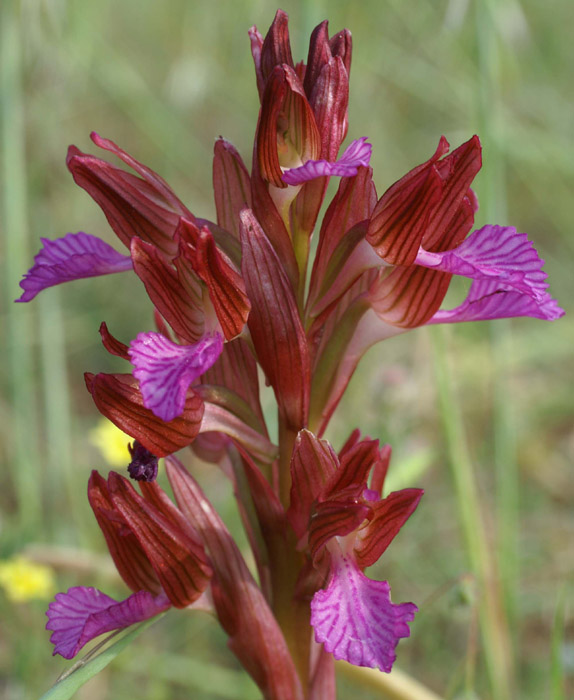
point(496, 646)
point(70, 684)
point(19, 357)
point(493, 129)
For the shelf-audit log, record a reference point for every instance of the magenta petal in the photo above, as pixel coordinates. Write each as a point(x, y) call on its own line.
point(356, 620)
point(73, 257)
point(84, 613)
point(494, 252)
point(165, 370)
point(489, 300)
point(356, 154)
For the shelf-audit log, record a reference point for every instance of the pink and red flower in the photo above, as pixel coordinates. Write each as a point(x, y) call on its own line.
point(231, 298)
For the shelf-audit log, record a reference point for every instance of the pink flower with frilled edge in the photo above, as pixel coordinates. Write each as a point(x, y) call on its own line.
point(347, 525)
point(156, 552)
point(418, 231)
point(193, 283)
point(384, 266)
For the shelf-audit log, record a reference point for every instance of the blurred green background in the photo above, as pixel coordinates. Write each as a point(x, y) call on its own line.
point(478, 415)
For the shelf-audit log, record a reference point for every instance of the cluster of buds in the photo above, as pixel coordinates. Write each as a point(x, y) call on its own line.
point(239, 296)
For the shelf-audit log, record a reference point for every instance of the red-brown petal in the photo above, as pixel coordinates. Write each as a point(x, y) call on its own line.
point(341, 45)
point(275, 324)
point(128, 555)
point(276, 48)
point(329, 100)
point(225, 285)
point(151, 177)
point(313, 463)
point(176, 296)
point(408, 297)
point(334, 519)
point(178, 559)
point(353, 203)
point(380, 469)
point(286, 115)
point(457, 170)
point(231, 186)
point(256, 41)
point(389, 515)
point(356, 463)
point(132, 206)
point(266, 213)
point(319, 55)
point(113, 345)
point(400, 219)
point(118, 397)
point(353, 439)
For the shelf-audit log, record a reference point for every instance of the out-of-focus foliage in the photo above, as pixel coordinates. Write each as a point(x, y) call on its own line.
point(163, 80)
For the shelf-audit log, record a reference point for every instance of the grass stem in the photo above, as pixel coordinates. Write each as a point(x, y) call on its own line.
point(493, 203)
point(493, 624)
point(25, 463)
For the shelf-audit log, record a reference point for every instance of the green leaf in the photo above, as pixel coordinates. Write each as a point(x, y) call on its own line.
point(90, 665)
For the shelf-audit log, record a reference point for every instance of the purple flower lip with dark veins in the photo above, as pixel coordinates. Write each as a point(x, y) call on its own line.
point(144, 464)
point(73, 257)
point(356, 154)
point(84, 613)
point(166, 370)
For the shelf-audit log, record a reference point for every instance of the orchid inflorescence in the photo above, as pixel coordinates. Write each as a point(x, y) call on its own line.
point(234, 298)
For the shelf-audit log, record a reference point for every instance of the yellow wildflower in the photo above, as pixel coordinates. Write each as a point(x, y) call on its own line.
point(24, 580)
point(112, 443)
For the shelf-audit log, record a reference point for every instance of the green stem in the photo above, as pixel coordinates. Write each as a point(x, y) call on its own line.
point(20, 329)
point(493, 202)
point(492, 618)
point(292, 614)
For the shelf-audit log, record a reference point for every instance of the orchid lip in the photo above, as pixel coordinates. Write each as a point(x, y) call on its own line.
point(166, 370)
point(355, 619)
point(84, 613)
point(357, 154)
point(74, 256)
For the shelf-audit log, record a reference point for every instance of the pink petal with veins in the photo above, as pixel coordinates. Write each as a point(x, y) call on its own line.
point(493, 252)
point(355, 618)
point(84, 613)
point(488, 300)
point(73, 257)
point(356, 154)
point(165, 370)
